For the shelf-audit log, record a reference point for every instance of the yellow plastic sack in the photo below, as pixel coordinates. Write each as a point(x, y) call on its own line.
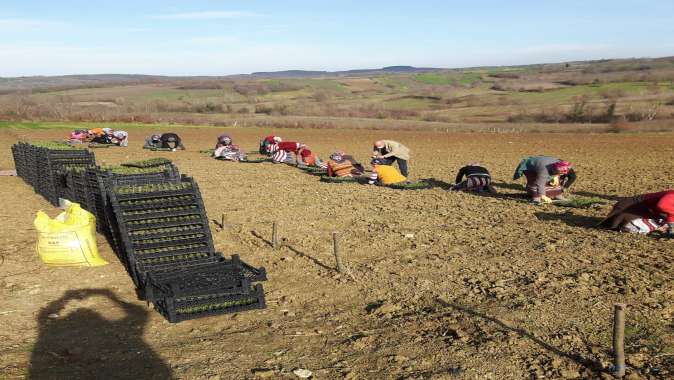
point(69, 239)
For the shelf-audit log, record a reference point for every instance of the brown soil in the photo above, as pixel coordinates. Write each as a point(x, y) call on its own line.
point(440, 285)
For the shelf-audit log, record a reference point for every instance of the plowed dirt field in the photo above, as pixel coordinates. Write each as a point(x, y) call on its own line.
point(439, 284)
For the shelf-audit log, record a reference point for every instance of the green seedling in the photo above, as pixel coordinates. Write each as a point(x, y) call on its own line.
point(152, 188)
point(150, 162)
point(410, 186)
point(580, 202)
point(217, 306)
point(153, 211)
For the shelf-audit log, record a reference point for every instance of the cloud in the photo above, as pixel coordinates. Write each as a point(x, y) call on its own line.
point(204, 15)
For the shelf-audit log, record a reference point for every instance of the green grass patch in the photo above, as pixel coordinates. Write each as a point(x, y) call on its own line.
point(469, 78)
point(435, 79)
point(410, 103)
point(90, 125)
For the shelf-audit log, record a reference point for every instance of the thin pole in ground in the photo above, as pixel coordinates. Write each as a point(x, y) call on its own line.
point(274, 236)
point(618, 368)
point(222, 221)
point(335, 250)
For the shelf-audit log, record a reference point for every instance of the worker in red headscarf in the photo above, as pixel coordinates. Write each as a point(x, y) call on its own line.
point(644, 214)
point(547, 177)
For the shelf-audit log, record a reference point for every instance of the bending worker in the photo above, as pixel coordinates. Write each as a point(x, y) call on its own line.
point(644, 214)
point(384, 174)
point(547, 177)
point(477, 180)
point(341, 164)
point(389, 151)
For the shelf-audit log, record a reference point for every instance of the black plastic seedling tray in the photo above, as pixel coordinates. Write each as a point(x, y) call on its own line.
point(244, 270)
point(160, 232)
point(134, 263)
point(196, 282)
point(184, 309)
point(140, 244)
point(149, 191)
point(143, 269)
point(139, 216)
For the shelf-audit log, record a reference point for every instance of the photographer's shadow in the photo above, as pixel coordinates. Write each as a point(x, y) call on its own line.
point(83, 344)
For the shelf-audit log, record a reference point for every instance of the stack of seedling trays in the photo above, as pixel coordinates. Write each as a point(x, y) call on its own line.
point(51, 160)
point(20, 160)
point(204, 287)
point(156, 222)
point(157, 170)
point(26, 163)
point(161, 222)
point(77, 185)
point(41, 163)
point(168, 251)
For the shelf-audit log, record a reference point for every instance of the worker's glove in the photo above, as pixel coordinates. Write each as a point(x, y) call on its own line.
point(370, 182)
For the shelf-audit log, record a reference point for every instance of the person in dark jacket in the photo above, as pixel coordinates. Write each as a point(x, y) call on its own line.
point(547, 177)
point(171, 141)
point(477, 180)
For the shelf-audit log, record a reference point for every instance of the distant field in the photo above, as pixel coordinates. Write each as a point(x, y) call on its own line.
point(621, 95)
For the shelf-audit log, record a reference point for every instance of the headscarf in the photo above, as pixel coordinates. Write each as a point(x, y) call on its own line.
point(561, 167)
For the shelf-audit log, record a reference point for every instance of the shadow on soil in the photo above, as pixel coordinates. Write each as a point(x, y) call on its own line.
point(595, 195)
point(435, 183)
point(438, 183)
point(310, 258)
point(587, 363)
point(520, 187)
point(257, 235)
point(83, 344)
point(284, 243)
point(570, 219)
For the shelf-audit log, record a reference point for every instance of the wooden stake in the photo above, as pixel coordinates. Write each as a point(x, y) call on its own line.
point(222, 221)
point(619, 340)
point(335, 250)
point(274, 236)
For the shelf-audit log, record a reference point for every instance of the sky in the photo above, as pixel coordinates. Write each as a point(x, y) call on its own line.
point(209, 37)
